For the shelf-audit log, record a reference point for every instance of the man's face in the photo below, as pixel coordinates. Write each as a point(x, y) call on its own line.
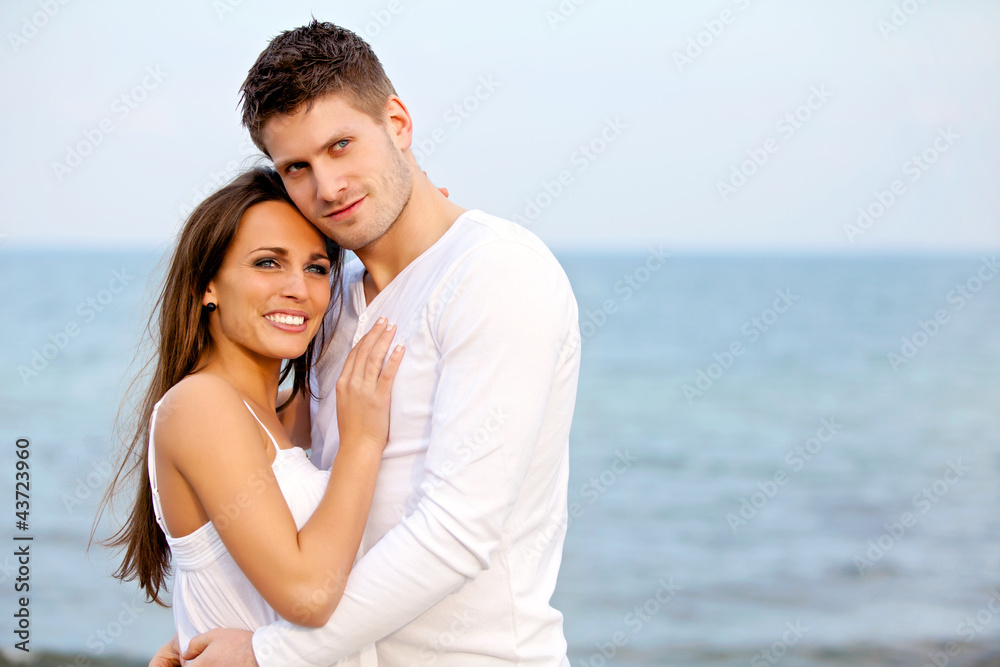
point(344, 171)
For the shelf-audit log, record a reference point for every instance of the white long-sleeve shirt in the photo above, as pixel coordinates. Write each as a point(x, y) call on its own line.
point(465, 535)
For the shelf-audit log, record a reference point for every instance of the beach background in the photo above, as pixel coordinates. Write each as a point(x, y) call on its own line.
point(786, 448)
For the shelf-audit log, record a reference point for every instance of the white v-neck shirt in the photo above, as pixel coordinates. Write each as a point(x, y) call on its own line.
point(465, 535)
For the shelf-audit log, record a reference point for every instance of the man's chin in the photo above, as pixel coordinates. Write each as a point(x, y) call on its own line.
point(351, 242)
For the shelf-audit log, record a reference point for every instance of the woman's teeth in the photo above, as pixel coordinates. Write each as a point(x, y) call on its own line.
point(293, 320)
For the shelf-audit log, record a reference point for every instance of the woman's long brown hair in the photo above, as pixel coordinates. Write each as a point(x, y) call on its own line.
point(178, 328)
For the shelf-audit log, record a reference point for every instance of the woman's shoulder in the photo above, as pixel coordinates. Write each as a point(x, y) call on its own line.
point(201, 392)
point(201, 407)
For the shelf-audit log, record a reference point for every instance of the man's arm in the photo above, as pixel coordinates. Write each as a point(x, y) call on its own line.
point(505, 336)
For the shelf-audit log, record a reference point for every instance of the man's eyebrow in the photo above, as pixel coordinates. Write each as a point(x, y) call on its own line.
point(337, 135)
point(280, 166)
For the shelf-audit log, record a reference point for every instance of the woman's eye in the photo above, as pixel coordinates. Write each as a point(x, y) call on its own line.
point(267, 263)
point(318, 268)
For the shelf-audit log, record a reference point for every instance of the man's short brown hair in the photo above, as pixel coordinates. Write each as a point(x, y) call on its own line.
point(300, 66)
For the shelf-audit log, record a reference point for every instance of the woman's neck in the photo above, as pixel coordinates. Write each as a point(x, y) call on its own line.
point(255, 377)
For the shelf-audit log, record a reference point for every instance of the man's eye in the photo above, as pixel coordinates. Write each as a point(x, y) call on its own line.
point(295, 166)
point(342, 144)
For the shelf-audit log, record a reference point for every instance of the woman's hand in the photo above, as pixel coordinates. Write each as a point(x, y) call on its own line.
point(363, 389)
point(169, 655)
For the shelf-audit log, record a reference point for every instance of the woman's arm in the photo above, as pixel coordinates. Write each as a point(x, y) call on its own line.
point(204, 432)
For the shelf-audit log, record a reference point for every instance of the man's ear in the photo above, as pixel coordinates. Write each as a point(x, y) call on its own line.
point(398, 122)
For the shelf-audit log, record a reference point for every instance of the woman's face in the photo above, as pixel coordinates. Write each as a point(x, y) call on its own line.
point(273, 287)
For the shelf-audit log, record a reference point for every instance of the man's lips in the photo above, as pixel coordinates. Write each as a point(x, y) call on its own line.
point(345, 212)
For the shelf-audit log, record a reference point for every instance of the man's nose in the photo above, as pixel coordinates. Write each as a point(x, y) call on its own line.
point(330, 182)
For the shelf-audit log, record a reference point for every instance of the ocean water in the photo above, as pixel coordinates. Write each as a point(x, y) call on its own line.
point(775, 460)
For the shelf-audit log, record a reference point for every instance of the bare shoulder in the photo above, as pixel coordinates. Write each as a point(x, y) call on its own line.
point(200, 409)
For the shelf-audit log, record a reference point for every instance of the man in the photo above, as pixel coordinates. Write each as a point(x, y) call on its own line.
point(464, 540)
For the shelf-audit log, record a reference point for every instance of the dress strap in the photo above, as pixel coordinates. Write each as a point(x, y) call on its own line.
point(151, 463)
point(273, 441)
point(151, 468)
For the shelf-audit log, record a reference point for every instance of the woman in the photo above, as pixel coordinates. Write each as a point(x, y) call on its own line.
point(255, 530)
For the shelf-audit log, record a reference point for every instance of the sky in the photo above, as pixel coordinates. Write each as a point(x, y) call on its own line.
point(860, 126)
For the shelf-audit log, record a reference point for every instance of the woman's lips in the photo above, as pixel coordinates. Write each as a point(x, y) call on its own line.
point(286, 321)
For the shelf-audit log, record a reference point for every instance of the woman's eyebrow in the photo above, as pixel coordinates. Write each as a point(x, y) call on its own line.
point(276, 251)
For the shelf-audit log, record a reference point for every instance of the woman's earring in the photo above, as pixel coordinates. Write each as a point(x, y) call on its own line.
point(210, 307)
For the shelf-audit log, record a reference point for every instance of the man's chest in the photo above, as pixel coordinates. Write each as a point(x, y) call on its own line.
point(414, 388)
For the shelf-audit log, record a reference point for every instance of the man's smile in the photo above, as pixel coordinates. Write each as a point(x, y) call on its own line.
point(345, 212)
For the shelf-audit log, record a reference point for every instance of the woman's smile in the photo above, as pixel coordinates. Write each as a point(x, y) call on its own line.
point(288, 320)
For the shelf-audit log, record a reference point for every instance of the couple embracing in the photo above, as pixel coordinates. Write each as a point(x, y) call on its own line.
point(434, 380)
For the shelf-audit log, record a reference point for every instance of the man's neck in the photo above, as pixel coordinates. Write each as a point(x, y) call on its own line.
point(424, 220)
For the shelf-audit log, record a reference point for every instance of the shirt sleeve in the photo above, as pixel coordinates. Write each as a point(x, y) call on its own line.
point(503, 335)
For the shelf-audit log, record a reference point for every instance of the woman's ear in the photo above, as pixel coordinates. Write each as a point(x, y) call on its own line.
point(209, 296)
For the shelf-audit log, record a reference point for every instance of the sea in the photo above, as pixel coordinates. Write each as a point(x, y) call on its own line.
point(775, 460)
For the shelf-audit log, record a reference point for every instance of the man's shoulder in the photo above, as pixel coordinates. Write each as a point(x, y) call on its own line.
point(481, 226)
point(482, 237)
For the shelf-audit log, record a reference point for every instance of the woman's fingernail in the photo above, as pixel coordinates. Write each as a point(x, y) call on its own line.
point(390, 327)
point(380, 320)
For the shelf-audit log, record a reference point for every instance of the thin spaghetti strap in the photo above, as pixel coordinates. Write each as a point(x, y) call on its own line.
point(273, 441)
point(151, 451)
point(151, 469)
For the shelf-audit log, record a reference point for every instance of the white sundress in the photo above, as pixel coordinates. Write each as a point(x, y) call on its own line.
point(210, 590)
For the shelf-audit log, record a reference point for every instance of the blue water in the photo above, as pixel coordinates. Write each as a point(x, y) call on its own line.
point(827, 439)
